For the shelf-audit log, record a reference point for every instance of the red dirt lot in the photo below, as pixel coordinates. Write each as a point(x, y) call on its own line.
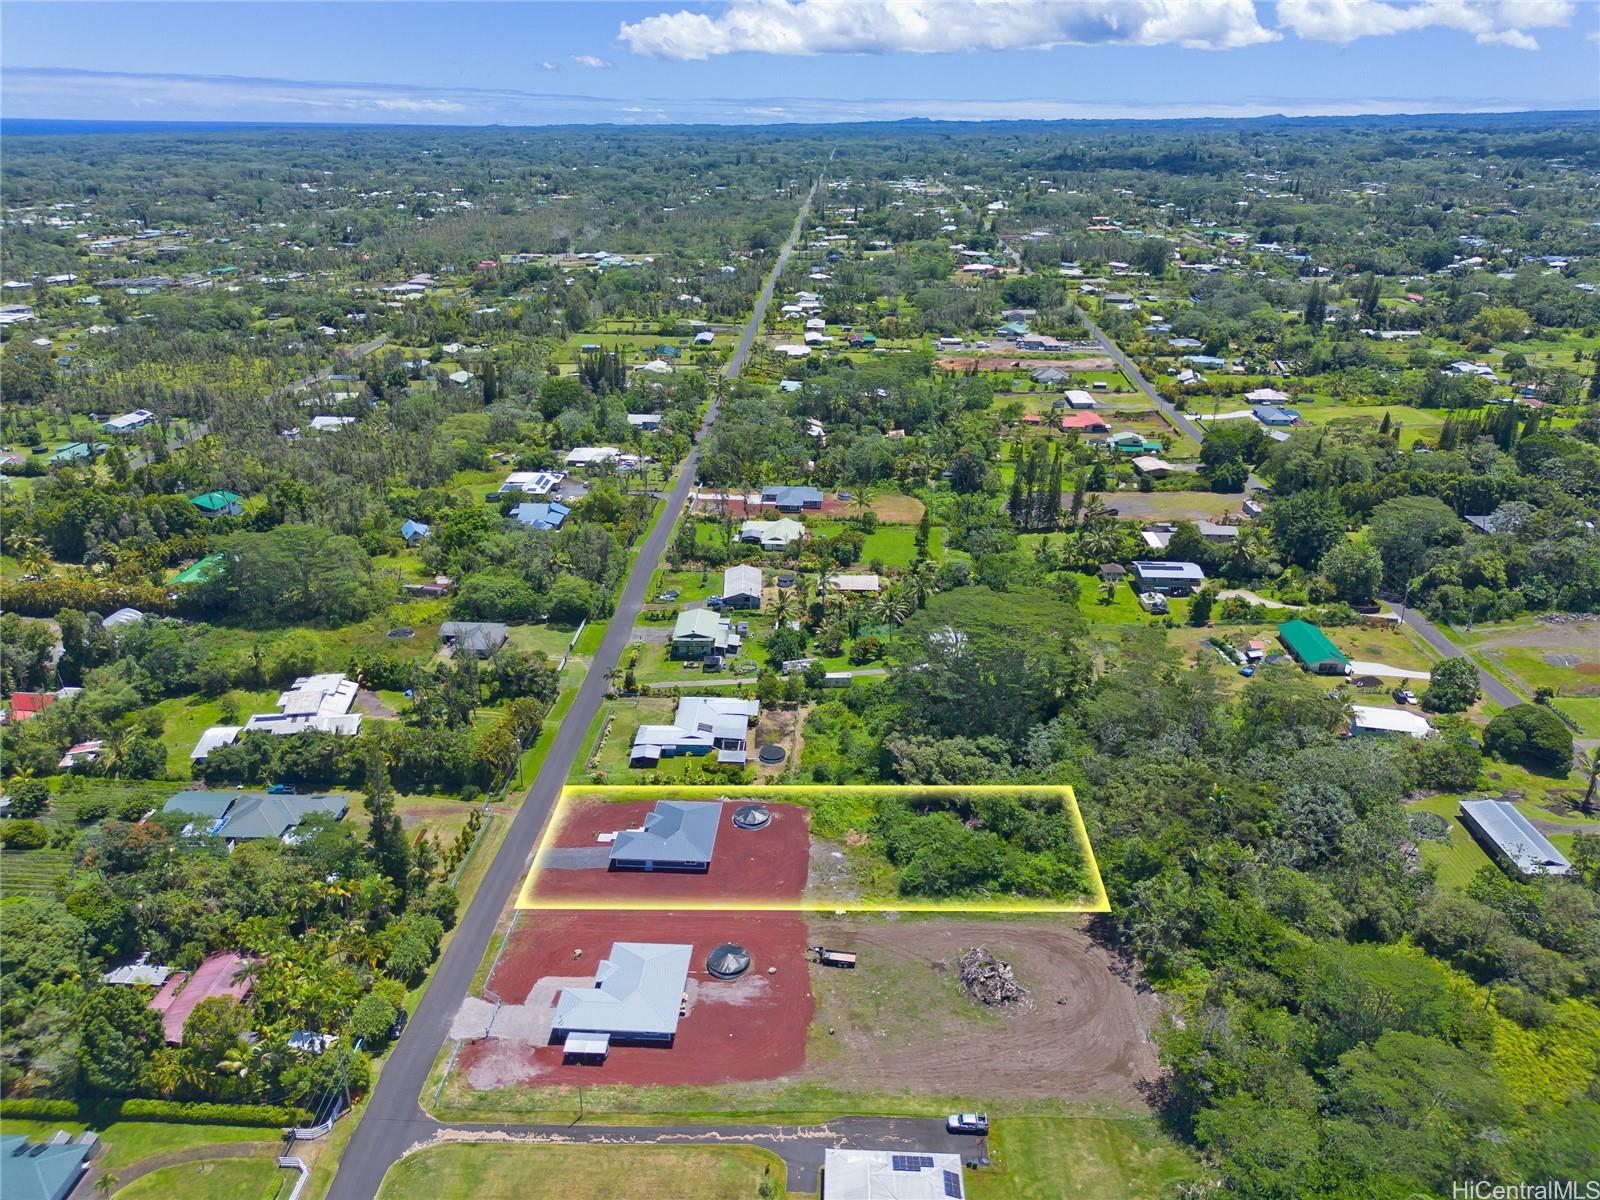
point(761, 865)
point(753, 1027)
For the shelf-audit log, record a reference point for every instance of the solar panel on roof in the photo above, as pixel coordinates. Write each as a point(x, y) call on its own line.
point(952, 1185)
point(910, 1162)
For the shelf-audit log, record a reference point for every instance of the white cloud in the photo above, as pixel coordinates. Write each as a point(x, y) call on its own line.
point(549, 66)
point(1491, 22)
point(805, 27)
point(590, 61)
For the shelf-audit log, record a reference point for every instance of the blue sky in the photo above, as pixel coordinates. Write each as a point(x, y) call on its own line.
point(792, 60)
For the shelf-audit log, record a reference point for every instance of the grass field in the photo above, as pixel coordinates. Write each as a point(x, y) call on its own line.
point(501, 1172)
point(1046, 1158)
point(126, 1142)
point(890, 545)
point(1459, 859)
point(218, 1179)
point(1416, 424)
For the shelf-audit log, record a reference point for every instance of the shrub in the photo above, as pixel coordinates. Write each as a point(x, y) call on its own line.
point(29, 798)
point(1452, 686)
point(1532, 733)
point(24, 835)
point(191, 1113)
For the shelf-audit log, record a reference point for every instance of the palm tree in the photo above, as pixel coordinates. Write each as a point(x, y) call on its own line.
point(783, 608)
point(33, 558)
point(105, 1183)
point(1588, 764)
point(919, 583)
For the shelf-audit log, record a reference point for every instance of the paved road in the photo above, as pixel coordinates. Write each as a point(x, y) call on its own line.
point(1178, 421)
point(393, 1122)
point(1428, 632)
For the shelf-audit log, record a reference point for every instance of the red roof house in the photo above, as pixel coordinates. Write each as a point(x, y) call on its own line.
point(181, 993)
point(30, 704)
point(1085, 422)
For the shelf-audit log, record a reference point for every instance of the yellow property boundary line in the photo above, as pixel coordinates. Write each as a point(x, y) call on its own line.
point(1095, 902)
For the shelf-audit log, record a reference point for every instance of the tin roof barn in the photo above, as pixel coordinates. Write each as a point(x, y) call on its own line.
point(1511, 839)
point(1367, 719)
point(891, 1175)
point(637, 997)
point(680, 835)
point(1310, 647)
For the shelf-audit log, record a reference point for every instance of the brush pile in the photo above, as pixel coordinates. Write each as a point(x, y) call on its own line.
point(989, 981)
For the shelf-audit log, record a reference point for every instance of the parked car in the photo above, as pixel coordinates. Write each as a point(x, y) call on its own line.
point(669, 595)
point(280, 789)
point(967, 1123)
point(711, 662)
point(1405, 696)
point(714, 602)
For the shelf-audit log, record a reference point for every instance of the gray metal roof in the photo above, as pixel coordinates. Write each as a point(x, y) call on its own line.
point(891, 1175)
point(741, 580)
point(678, 831)
point(1528, 849)
point(638, 992)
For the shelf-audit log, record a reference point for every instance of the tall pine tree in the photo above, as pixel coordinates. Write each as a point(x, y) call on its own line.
point(386, 839)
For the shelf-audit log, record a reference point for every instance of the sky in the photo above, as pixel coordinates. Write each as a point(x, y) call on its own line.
point(781, 61)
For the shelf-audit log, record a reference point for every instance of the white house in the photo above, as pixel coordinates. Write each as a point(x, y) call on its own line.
point(127, 422)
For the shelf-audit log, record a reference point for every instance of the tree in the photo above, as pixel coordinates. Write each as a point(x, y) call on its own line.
point(371, 1020)
point(1355, 568)
point(118, 1033)
point(1200, 607)
point(386, 839)
point(1588, 765)
point(1305, 526)
point(1406, 530)
point(1532, 733)
point(29, 798)
point(1452, 686)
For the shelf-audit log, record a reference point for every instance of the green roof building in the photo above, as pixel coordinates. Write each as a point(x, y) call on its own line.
point(1310, 647)
point(219, 504)
point(199, 572)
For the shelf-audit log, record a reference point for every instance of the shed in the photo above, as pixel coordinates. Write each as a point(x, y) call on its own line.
point(482, 638)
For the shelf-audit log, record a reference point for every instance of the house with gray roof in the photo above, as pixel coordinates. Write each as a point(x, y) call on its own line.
point(482, 638)
point(741, 587)
point(1511, 840)
point(251, 816)
point(637, 997)
point(772, 535)
point(680, 835)
point(792, 498)
point(699, 632)
point(701, 725)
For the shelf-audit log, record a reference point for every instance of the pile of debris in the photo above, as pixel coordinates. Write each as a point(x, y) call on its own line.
point(989, 981)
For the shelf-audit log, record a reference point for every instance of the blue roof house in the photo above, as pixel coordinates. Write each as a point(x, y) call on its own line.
point(543, 515)
point(413, 532)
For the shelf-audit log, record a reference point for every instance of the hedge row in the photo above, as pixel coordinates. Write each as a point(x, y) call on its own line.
point(267, 1116)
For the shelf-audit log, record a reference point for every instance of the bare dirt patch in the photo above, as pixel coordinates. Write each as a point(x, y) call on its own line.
point(900, 1021)
point(1172, 506)
point(892, 509)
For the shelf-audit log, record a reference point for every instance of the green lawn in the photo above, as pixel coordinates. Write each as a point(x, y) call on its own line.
point(1459, 859)
point(1047, 1158)
point(500, 1172)
point(1416, 424)
point(891, 545)
point(218, 1179)
point(1584, 710)
point(126, 1142)
point(185, 718)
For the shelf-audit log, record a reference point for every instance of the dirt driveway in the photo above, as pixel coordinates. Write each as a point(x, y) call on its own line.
point(901, 1022)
